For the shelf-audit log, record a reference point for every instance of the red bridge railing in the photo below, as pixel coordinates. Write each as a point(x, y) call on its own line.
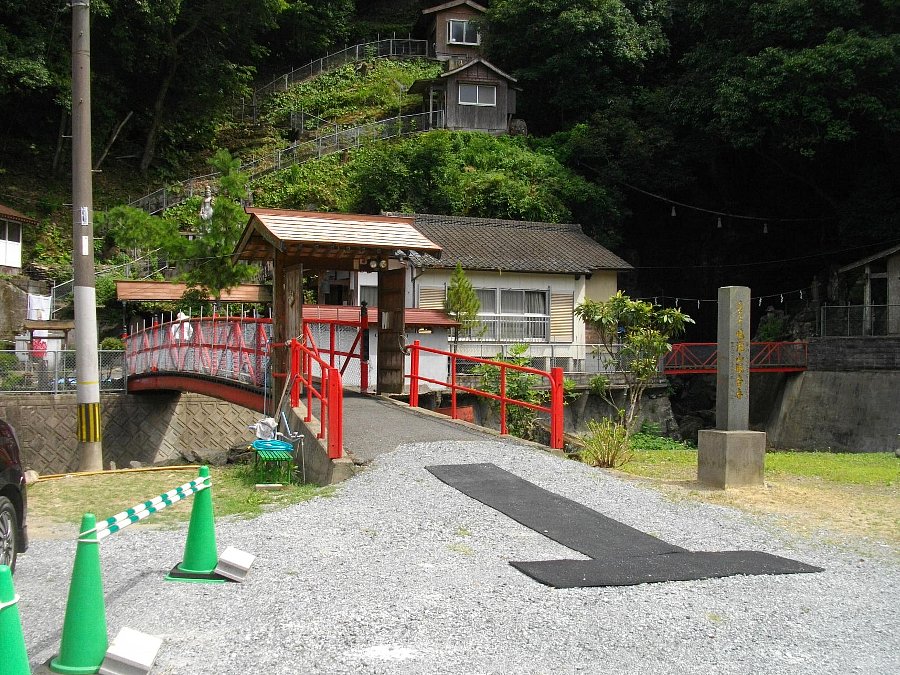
point(554, 376)
point(230, 348)
point(695, 358)
point(237, 350)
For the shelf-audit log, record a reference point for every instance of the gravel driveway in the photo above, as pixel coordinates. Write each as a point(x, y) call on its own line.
point(399, 573)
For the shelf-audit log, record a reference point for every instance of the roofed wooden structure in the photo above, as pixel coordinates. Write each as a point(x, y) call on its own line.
point(328, 240)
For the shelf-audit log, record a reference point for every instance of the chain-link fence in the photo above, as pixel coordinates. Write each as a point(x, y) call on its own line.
point(854, 320)
point(54, 372)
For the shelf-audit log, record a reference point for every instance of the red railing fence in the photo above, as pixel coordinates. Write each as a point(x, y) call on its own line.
point(311, 375)
point(687, 358)
point(554, 378)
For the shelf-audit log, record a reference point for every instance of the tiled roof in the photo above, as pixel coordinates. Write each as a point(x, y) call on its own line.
point(167, 290)
point(8, 213)
point(412, 316)
point(513, 245)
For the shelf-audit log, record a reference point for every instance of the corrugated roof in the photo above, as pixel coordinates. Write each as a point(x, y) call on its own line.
point(165, 290)
point(7, 213)
point(413, 316)
point(513, 245)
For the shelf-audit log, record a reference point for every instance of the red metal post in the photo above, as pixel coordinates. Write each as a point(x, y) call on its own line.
point(335, 416)
point(331, 346)
point(414, 375)
point(453, 385)
point(503, 429)
point(557, 416)
point(324, 391)
point(294, 377)
point(308, 382)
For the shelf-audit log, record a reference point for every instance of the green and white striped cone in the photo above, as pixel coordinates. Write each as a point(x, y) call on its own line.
point(14, 657)
point(200, 554)
point(84, 639)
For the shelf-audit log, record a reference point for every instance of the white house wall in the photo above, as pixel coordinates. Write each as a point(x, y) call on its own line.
point(433, 366)
point(555, 283)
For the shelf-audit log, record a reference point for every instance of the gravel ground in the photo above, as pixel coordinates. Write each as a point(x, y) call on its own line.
point(399, 573)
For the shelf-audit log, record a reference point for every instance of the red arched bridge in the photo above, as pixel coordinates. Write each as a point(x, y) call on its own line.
point(229, 358)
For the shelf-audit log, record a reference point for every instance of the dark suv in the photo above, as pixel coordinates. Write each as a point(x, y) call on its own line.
point(13, 533)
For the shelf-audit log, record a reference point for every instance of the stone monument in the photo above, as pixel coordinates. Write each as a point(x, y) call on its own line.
point(731, 455)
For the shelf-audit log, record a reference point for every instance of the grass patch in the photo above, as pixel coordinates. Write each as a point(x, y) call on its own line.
point(656, 457)
point(869, 468)
point(63, 501)
point(849, 494)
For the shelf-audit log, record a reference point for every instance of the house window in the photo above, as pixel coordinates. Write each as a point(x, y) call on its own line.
point(13, 232)
point(369, 295)
point(461, 32)
point(512, 315)
point(477, 94)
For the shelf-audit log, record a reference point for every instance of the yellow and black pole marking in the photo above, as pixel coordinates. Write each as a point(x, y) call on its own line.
point(88, 423)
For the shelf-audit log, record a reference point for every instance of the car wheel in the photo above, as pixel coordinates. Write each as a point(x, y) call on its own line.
point(9, 531)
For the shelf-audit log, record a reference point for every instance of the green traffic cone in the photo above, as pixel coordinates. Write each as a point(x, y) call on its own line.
point(84, 640)
point(200, 554)
point(15, 658)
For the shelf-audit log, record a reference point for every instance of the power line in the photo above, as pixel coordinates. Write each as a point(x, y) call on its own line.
point(722, 213)
point(765, 262)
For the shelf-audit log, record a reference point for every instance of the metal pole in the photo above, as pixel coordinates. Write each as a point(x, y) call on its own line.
point(87, 368)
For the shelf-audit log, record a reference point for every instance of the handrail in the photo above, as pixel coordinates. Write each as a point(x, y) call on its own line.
point(555, 377)
point(231, 348)
point(329, 393)
point(687, 358)
point(366, 50)
point(298, 153)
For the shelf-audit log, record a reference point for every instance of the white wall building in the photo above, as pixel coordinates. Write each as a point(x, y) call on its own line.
point(529, 277)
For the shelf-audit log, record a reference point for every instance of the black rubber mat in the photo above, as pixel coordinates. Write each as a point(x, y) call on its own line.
point(621, 555)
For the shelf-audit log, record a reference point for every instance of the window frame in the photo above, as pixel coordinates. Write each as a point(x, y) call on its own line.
point(535, 326)
point(467, 23)
point(478, 87)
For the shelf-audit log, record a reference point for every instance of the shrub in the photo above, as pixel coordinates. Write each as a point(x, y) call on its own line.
point(605, 444)
point(112, 344)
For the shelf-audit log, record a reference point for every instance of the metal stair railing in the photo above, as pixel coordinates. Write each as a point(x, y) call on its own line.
point(389, 47)
point(324, 144)
point(66, 288)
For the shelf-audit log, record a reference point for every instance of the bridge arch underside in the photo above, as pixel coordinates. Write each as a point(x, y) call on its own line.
point(245, 395)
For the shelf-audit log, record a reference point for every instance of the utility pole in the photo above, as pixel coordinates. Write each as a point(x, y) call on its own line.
point(87, 368)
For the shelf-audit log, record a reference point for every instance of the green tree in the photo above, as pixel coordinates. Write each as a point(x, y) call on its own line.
point(210, 254)
point(178, 63)
point(206, 258)
point(634, 335)
point(462, 303)
point(572, 54)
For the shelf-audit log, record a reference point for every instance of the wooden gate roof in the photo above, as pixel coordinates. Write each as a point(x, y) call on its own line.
point(333, 239)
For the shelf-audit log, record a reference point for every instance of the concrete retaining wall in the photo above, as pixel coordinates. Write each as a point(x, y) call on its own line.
point(149, 428)
point(858, 412)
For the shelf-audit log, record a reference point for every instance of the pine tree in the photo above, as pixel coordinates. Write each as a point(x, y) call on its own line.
point(462, 303)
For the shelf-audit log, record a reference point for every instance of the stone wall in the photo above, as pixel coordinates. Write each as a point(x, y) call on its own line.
point(147, 427)
point(13, 304)
point(854, 353)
